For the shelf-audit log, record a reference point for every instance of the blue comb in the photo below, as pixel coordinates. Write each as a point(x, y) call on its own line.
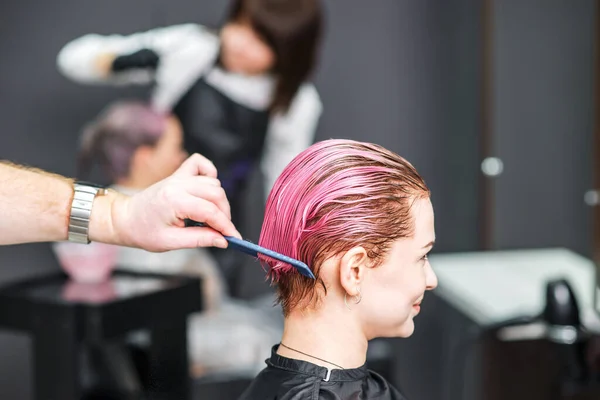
point(254, 250)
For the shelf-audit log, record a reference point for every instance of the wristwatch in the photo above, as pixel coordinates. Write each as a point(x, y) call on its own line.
point(81, 209)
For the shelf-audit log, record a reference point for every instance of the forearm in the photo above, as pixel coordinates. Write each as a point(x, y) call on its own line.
point(34, 205)
point(91, 58)
point(88, 60)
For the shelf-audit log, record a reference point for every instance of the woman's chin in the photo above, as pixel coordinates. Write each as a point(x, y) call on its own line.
point(404, 330)
point(407, 329)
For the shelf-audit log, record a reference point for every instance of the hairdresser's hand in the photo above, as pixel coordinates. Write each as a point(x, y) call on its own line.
point(154, 218)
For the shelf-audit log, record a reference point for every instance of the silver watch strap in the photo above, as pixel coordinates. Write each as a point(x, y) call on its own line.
point(81, 210)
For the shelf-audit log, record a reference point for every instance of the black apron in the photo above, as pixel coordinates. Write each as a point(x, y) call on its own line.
point(232, 136)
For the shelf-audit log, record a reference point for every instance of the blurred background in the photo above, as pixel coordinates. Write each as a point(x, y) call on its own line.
point(494, 102)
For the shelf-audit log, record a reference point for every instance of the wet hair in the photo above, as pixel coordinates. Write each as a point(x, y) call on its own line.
point(336, 195)
point(292, 29)
point(114, 136)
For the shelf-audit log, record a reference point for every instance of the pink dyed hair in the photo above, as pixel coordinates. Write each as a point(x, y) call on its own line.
point(114, 136)
point(336, 195)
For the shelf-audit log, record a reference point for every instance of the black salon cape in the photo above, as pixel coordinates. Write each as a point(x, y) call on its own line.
point(288, 379)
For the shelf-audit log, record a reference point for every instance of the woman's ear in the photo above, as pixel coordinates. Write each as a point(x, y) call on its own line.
point(142, 157)
point(353, 265)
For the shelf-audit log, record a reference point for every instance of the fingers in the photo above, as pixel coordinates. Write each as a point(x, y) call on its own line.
point(202, 210)
point(210, 189)
point(196, 165)
point(198, 237)
point(204, 180)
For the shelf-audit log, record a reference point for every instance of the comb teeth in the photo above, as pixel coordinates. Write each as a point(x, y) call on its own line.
point(253, 250)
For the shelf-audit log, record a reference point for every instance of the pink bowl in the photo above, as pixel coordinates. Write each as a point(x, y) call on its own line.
point(89, 292)
point(86, 263)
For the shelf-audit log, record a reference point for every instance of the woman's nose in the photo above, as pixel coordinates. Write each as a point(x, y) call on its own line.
point(431, 279)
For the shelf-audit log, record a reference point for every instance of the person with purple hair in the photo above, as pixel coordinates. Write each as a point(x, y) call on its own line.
point(360, 217)
point(137, 146)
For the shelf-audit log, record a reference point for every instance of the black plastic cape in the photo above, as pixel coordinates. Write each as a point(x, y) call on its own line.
point(288, 379)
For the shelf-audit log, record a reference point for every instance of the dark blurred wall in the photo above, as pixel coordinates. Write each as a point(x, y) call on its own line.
point(404, 74)
point(543, 122)
point(540, 126)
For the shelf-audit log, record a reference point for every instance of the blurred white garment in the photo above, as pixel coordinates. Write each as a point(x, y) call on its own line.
point(238, 338)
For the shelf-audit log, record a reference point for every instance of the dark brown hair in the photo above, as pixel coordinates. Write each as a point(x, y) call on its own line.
point(292, 28)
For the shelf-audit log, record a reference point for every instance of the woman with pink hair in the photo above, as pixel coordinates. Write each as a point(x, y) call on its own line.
point(360, 217)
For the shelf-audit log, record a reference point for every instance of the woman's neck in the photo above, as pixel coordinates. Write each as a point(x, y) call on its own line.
point(331, 336)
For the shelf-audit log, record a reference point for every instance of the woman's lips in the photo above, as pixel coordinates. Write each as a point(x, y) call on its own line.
point(417, 306)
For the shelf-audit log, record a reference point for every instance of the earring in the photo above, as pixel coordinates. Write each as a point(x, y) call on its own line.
point(358, 297)
point(346, 301)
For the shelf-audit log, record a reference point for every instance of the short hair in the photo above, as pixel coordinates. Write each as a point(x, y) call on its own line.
point(113, 137)
point(292, 28)
point(336, 195)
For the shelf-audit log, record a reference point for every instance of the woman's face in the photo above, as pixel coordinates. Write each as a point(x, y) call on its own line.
point(243, 51)
point(168, 153)
point(391, 292)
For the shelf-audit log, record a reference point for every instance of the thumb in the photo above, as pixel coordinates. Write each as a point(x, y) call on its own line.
point(195, 236)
